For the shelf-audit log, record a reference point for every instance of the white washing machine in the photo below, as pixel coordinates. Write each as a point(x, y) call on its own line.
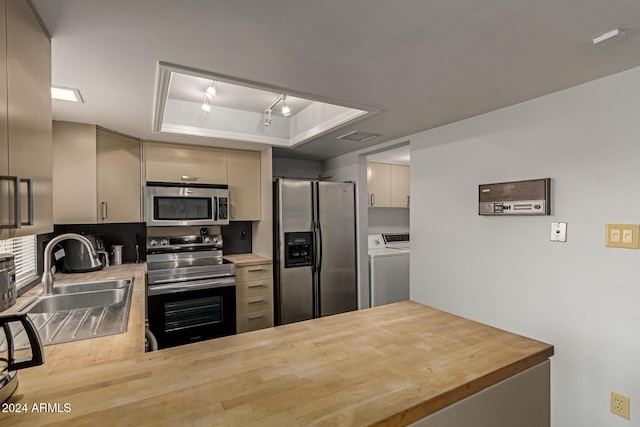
point(388, 268)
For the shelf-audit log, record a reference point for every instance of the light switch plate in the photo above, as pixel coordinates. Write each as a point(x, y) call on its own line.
point(558, 231)
point(622, 236)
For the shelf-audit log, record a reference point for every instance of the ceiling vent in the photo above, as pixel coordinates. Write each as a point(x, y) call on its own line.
point(358, 136)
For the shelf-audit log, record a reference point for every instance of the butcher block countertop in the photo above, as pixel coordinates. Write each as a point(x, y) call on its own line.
point(245, 260)
point(388, 365)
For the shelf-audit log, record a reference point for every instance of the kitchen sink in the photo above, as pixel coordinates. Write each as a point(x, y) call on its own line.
point(72, 301)
point(72, 288)
point(78, 311)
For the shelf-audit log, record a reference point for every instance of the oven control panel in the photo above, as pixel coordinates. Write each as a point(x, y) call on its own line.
point(184, 242)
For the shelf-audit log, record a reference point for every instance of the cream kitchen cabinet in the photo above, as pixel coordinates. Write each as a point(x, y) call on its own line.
point(97, 175)
point(254, 297)
point(25, 122)
point(185, 163)
point(243, 173)
point(400, 186)
point(387, 185)
point(378, 185)
point(118, 181)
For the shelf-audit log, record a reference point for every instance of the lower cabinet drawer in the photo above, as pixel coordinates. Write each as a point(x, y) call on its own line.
point(254, 304)
point(254, 288)
point(254, 272)
point(253, 321)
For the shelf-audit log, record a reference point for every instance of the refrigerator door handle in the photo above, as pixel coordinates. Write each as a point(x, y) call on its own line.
point(317, 267)
point(319, 248)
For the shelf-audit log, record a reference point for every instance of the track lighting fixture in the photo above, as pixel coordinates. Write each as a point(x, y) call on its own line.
point(267, 121)
point(285, 110)
point(206, 107)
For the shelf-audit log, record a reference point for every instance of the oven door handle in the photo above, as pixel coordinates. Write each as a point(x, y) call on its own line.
point(185, 287)
point(154, 281)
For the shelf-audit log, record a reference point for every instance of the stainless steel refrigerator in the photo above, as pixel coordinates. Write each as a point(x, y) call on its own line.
point(314, 249)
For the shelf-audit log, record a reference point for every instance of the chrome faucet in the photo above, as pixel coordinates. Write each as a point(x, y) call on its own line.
point(47, 277)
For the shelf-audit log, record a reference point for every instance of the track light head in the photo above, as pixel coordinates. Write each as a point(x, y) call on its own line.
point(285, 108)
point(267, 120)
point(206, 107)
point(211, 90)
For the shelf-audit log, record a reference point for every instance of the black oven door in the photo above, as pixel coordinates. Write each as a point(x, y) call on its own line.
point(193, 311)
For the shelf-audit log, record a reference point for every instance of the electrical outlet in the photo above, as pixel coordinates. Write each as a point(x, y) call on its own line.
point(620, 405)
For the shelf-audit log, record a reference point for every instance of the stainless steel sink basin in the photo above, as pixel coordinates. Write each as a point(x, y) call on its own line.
point(69, 301)
point(73, 288)
point(78, 311)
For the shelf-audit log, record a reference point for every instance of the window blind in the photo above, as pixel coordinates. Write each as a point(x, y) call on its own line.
point(24, 250)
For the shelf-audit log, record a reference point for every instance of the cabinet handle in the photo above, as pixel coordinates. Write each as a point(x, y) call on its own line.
point(189, 178)
point(255, 270)
point(255, 317)
point(373, 199)
point(408, 200)
point(258, 301)
point(105, 210)
point(29, 183)
point(255, 286)
point(16, 201)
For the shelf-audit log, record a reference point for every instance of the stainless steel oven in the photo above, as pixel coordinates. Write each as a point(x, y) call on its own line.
point(191, 293)
point(177, 204)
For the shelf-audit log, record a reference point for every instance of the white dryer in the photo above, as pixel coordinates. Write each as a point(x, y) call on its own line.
point(388, 268)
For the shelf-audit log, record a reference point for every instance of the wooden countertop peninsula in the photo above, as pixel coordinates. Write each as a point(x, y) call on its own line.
point(388, 365)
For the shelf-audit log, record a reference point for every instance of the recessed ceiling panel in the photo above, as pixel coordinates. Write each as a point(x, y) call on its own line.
point(243, 111)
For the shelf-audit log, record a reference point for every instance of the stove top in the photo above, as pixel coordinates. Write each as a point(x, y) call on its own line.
point(186, 258)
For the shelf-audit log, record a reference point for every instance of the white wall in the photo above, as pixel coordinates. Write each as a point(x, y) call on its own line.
point(388, 220)
point(579, 296)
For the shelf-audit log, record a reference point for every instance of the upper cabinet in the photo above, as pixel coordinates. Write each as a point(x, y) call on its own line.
point(243, 169)
point(387, 185)
point(118, 183)
point(97, 175)
point(25, 122)
point(400, 177)
point(4, 137)
point(378, 185)
point(185, 163)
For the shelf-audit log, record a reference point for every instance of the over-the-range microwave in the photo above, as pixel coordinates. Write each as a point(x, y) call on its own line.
point(176, 204)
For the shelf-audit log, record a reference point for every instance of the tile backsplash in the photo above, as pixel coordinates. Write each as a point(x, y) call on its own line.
point(236, 237)
point(127, 234)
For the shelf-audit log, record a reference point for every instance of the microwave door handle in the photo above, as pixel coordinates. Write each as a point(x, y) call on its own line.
point(215, 208)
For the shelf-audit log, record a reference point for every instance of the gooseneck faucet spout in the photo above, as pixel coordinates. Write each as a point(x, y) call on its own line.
point(47, 277)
